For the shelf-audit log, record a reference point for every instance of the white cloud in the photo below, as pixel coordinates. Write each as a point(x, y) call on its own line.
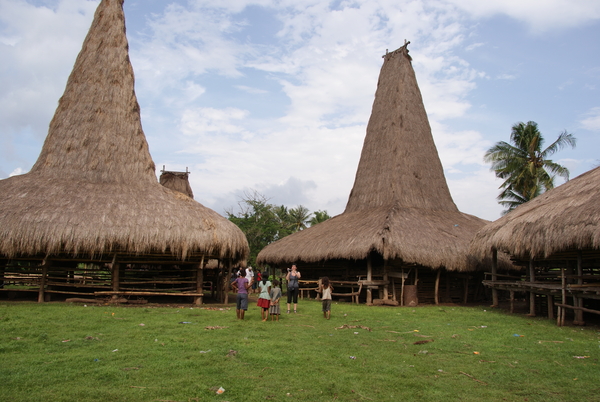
point(251, 90)
point(202, 79)
point(41, 44)
point(540, 15)
point(459, 149)
point(17, 172)
point(203, 122)
point(474, 46)
point(471, 194)
point(592, 120)
point(327, 63)
point(507, 77)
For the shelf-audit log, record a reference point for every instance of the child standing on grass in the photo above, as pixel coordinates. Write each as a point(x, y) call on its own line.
point(241, 285)
point(325, 289)
point(264, 299)
point(275, 296)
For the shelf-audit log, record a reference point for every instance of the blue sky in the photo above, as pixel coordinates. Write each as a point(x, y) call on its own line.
point(275, 95)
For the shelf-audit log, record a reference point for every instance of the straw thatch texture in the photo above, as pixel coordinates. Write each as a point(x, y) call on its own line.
point(562, 219)
point(177, 181)
point(93, 189)
point(96, 133)
point(434, 238)
point(399, 163)
point(400, 205)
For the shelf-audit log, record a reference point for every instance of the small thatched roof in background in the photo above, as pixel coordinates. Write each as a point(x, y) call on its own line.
point(177, 181)
point(93, 189)
point(563, 219)
point(400, 205)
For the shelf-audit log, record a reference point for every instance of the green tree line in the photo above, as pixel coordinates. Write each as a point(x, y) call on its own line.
point(264, 223)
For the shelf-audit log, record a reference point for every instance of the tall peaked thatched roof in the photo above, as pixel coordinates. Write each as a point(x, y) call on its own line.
point(96, 132)
point(400, 205)
point(563, 219)
point(93, 189)
point(399, 163)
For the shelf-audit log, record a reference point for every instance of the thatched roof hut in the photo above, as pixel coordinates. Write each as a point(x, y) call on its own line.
point(177, 181)
point(93, 191)
point(400, 207)
point(558, 222)
point(556, 232)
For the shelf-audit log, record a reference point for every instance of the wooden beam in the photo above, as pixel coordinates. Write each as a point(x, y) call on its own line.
point(369, 279)
point(437, 286)
point(226, 280)
point(578, 301)
point(494, 277)
point(115, 277)
point(45, 264)
point(587, 310)
point(199, 281)
point(561, 309)
point(531, 294)
point(402, 289)
point(550, 299)
point(385, 278)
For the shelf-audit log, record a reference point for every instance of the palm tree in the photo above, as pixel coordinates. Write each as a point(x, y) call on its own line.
point(525, 168)
point(299, 217)
point(319, 216)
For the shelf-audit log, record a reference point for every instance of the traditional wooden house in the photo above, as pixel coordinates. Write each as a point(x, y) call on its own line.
point(400, 227)
point(90, 218)
point(555, 239)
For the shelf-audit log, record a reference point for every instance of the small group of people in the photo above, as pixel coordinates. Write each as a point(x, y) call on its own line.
point(268, 298)
point(270, 294)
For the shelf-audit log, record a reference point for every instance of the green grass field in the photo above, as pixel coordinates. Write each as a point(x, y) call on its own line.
point(69, 352)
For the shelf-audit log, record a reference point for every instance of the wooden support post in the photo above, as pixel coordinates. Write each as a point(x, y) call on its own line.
point(199, 281)
point(550, 299)
point(114, 274)
point(578, 301)
point(531, 294)
point(512, 301)
point(561, 310)
point(3, 264)
point(402, 289)
point(437, 286)
point(369, 279)
point(466, 295)
point(494, 277)
point(226, 283)
point(41, 293)
point(220, 279)
point(394, 298)
point(385, 278)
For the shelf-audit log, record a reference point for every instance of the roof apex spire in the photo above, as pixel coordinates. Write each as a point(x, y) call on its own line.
point(96, 132)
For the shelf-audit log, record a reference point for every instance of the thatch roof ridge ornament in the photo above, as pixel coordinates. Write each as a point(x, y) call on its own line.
point(403, 50)
point(177, 181)
point(93, 189)
point(400, 205)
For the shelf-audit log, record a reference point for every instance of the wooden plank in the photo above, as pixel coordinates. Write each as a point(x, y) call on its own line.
point(587, 310)
point(132, 293)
